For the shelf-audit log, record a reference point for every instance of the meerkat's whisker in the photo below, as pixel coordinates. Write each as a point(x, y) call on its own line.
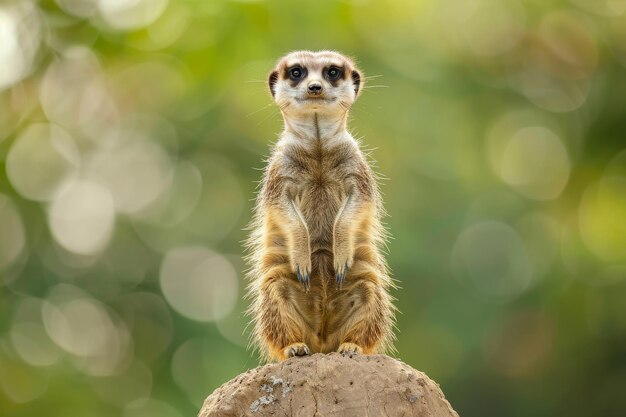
point(269, 117)
point(259, 110)
point(368, 77)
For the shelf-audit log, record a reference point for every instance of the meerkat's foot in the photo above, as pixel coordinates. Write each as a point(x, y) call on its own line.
point(349, 349)
point(296, 349)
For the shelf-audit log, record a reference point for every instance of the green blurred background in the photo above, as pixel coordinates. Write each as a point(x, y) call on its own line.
point(132, 134)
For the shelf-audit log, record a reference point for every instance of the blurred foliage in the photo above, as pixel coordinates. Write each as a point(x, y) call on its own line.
point(131, 137)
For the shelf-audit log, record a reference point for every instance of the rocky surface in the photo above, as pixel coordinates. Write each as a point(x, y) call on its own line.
point(330, 385)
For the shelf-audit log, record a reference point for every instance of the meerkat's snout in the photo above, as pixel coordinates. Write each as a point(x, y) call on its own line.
point(315, 88)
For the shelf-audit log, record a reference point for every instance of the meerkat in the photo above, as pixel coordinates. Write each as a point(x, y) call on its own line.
point(318, 278)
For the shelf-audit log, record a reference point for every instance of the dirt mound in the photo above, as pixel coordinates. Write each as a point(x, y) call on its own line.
point(330, 385)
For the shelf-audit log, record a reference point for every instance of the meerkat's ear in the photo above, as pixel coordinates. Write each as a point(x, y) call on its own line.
point(356, 81)
point(273, 78)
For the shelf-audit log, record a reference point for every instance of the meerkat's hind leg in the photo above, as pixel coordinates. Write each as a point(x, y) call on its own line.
point(296, 349)
point(367, 327)
point(349, 349)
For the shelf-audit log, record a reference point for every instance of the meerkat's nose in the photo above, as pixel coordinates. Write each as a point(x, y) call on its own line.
point(315, 88)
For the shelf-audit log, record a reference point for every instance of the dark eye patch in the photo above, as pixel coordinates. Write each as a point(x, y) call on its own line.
point(334, 74)
point(295, 74)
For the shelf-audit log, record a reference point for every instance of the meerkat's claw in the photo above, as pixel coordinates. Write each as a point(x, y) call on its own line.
point(296, 349)
point(341, 273)
point(299, 274)
point(350, 349)
point(307, 280)
point(303, 277)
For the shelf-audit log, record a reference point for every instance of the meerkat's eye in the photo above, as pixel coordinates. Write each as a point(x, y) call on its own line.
point(296, 73)
point(333, 73)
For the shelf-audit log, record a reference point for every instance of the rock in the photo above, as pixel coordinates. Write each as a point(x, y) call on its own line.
point(330, 385)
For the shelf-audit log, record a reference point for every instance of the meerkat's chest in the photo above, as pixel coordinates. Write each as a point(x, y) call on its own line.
point(319, 169)
point(319, 187)
point(320, 183)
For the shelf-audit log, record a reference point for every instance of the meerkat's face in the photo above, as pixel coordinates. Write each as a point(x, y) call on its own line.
point(307, 81)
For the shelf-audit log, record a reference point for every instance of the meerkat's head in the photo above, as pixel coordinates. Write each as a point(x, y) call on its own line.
point(306, 81)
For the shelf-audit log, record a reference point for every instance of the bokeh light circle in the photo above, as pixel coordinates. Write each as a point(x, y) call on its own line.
point(82, 217)
point(81, 8)
point(97, 339)
point(198, 283)
point(20, 35)
point(131, 14)
point(33, 345)
point(41, 158)
point(136, 172)
point(535, 163)
point(75, 94)
point(77, 325)
point(179, 201)
point(28, 335)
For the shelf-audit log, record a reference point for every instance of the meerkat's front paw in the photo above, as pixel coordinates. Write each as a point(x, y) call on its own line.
point(296, 349)
point(349, 349)
point(304, 275)
point(302, 266)
point(303, 271)
point(343, 262)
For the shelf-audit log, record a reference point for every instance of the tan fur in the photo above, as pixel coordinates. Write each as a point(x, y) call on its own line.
point(318, 213)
